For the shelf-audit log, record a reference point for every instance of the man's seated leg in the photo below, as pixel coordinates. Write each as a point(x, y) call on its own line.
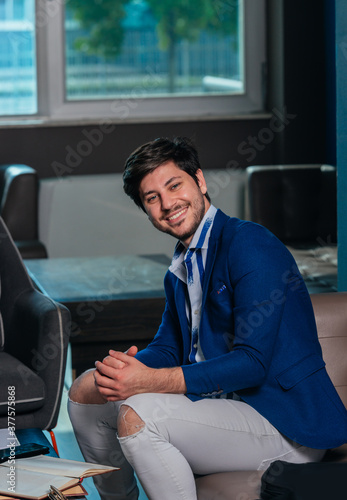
point(95, 425)
point(84, 390)
point(168, 438)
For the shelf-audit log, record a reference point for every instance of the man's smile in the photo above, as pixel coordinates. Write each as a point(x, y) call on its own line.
point(176, 215)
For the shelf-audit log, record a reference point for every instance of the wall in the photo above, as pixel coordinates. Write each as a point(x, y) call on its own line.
point(91, 216)
point(90, 149)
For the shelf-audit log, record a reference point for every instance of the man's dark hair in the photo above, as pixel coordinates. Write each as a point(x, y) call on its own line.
point(152, 155)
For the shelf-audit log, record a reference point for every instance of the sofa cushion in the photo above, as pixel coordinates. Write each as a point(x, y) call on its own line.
point(20, 383)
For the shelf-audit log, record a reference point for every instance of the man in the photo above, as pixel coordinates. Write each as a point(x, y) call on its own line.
point(234, 378)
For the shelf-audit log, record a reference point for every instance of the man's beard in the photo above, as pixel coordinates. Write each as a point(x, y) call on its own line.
point(198, 211)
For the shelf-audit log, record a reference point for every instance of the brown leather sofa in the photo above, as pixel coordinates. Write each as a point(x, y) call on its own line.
point(331, 318)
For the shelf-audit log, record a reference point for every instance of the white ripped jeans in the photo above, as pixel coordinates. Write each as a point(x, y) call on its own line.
point(180, 438)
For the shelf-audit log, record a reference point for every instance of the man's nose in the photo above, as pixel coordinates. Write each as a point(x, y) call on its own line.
point(167, 201)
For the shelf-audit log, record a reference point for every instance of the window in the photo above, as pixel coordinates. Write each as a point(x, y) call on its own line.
point(132, 59)
point(153, 46)
point(17, 57)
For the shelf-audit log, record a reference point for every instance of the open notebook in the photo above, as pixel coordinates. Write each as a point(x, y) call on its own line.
point(32, 477)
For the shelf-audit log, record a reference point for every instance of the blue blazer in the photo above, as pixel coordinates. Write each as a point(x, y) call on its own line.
point(257, 333)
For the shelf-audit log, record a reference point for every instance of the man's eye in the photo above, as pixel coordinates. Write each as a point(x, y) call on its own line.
point(175, 186)
point(151, 199)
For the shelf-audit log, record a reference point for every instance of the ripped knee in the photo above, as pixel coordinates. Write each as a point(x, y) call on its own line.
point(129, 422)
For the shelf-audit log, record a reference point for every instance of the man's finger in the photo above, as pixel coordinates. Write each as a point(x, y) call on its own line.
point(105, 370)
point(121, 356)
point(132, 351)
point(113, 362)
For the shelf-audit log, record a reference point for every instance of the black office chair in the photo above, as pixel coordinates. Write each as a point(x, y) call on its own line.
point(34, 335)
point(296, 202)
point(19, 186)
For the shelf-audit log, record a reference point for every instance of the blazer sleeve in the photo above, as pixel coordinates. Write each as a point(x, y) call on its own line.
point(165, 350)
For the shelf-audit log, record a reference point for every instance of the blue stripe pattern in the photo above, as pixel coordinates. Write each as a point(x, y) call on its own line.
point(189, 266)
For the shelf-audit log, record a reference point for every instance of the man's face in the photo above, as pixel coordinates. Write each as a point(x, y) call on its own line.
point(174, 203)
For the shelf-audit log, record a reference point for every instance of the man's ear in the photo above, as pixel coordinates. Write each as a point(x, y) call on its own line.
point(201, 181)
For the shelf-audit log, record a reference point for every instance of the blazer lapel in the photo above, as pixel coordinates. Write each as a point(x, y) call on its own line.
point(218, 224)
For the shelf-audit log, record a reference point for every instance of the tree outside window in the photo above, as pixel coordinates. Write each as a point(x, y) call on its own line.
point(188, 47)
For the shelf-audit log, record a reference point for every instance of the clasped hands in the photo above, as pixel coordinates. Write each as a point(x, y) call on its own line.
point(120, 375)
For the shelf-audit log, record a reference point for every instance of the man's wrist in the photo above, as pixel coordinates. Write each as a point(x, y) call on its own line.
point(170, 380)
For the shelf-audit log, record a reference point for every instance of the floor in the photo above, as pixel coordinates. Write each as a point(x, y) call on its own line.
point(67, 444)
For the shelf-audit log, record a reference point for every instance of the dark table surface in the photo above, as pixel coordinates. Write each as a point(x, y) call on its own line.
point(76, 279)
point(114, 301)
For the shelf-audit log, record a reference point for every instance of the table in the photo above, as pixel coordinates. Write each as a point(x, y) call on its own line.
point(318, 266)
point(115, 301)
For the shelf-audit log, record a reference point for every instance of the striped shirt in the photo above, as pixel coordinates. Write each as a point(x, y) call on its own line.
point(189, 266)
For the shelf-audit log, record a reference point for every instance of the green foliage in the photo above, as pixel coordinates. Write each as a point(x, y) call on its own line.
point(103, 19)
point(185, 19)
point(177, 20)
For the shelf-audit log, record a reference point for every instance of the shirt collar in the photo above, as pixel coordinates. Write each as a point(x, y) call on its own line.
point(199, 240)
point(201, 235)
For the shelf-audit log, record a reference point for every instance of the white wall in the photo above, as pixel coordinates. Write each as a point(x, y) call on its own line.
point(91, 215)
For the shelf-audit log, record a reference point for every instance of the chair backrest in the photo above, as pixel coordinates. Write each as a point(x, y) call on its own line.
point(296, 202)
point(331, 318)
point(14, 279)
point(19, 201)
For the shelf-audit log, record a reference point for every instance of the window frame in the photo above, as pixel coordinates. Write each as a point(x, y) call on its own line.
point(53, 106)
